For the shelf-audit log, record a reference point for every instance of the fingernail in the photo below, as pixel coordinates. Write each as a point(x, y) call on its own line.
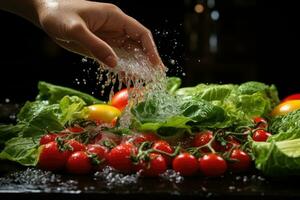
point(110, 61)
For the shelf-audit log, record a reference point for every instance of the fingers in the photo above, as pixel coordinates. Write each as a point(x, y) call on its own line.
point(150, 48)
point(141, 34)
point(73, 47)
point(98, 48)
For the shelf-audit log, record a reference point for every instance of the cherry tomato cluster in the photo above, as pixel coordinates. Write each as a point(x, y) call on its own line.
point(144, 152)
point(57, 152)
point(83, 148)
point(260, 134)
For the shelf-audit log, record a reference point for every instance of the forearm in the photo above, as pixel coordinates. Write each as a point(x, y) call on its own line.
point(28, 9)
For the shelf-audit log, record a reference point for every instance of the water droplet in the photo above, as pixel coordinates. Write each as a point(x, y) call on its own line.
point(231, 188)
point(12, 116)
point(84, 60)
point(172, 61)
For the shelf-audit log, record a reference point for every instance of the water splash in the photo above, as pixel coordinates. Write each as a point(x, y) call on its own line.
point(172, 176)
point(112, 178)
point(38, 180)
point(142, 79)
point(133, 67)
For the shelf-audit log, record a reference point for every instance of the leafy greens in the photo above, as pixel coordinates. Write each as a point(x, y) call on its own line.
point(280, 155)
point(205, 106)
point(20, 142)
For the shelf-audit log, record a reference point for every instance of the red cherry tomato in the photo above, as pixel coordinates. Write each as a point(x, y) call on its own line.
point(203, 138)
point(143, 137)
point(76, 146)
point(51, 158)
point(100, 151)
point(137, 139)
point(186, 164)
point(212, 165)
point(96, 139)
point(109, 137)
point(164, 146)
point(261, 135)
point(79, 163)
point(231, 142)
point(295, 96)
point(50, 137)
point(260, 122)
point(74, 129)
point(154, 167)
point(152, 137)
point(120, 99)
point(120, 157)
point(241, 161)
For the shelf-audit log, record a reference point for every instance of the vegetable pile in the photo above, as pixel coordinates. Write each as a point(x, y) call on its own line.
point(209, 129)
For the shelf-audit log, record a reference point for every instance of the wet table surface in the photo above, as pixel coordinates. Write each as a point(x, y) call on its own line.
point(17, 181)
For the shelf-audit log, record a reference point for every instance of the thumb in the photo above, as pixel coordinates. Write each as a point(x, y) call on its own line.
point(98, 48)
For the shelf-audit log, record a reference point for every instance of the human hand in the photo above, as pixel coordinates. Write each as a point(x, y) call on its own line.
point(92, 29)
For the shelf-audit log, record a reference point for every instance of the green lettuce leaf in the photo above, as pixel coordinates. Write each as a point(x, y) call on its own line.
point(268, 92)
point(22, 150)
point(172, 126)
point(203, 113)
point(254, 98)
point(214, 92)
point(154, 116)
point(52, 110)
point(38, 117)
point(35, 119)
point(176, 117)
point(252, 87)
point(208, 92)
point(284, 123)
point(280, 155)
point(72, 108)
point(173, 83)
point(186, 92)
point(285, 127)
point(278, 158)
point(208, 106)
point(54, 93)
point(240, 102)
point(8, 131)
point(253, 105)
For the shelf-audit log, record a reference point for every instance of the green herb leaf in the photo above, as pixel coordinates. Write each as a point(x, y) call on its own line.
point(22, 150)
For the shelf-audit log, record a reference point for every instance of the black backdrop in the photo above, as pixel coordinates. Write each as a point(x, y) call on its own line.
point(245, 43)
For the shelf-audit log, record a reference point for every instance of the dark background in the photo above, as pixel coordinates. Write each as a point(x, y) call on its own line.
point(249, 41)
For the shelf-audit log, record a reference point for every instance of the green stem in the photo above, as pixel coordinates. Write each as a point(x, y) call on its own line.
point(175, 153)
